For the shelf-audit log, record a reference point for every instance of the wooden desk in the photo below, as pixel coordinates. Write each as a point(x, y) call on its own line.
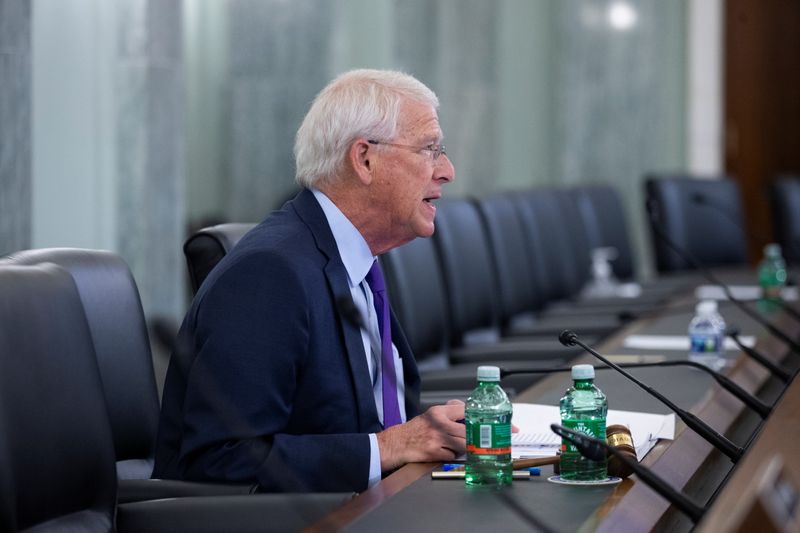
point(409, 501)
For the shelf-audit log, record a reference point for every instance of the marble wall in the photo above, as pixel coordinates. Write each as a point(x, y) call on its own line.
point(619, 95)
point(15, 125)
point(150, 146)
point(533, 92)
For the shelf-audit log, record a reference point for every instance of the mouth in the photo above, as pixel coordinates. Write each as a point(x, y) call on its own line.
point(431, 199)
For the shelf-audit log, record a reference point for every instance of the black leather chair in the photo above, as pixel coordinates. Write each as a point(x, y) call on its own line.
point(116, 321)
point(603, 217)
point(416, 290)
point(785, 200)
point(113, 311)
point(208, 246)
point(472, 291)
point(702, 216)
point(56, 445)
point(57, 461)
point(603, 224)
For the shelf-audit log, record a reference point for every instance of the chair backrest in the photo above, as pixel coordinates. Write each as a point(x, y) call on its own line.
point(785, 199)
point(702, 216)
point(208, 246)
point(116, 321)
point(417, 293)
point(517, 289)
point(603, 217)
point(56, 450)
point(464, 255)
point(560, 261)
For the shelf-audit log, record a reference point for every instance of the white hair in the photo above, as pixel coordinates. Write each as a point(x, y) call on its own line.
point(358, 103)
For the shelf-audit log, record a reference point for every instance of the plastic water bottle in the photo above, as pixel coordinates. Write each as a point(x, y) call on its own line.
point(583, 409)
point(771, 276)
point(706, 336)
point(488, 420)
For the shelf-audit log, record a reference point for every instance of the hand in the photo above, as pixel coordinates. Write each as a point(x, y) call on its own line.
point(435, 435)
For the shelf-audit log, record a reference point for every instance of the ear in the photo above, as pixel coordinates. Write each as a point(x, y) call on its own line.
point(360, 157)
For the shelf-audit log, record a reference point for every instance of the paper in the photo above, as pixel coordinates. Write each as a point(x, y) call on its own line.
point(677, 342)
point(535, 439)
point(740, 292)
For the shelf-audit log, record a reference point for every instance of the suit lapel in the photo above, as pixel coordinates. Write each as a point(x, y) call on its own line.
point(312, 215)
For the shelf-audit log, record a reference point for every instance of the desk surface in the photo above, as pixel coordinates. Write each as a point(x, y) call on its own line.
point(409, 500)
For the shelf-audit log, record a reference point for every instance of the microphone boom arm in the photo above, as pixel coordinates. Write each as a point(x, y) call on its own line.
point(719, 441)
point(581, 441)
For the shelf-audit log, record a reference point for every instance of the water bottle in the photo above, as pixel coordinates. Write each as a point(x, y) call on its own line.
point(488, 424)
point(771, 276)
point(583, 409)
point(706, 336)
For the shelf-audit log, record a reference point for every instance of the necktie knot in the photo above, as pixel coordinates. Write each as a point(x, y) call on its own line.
point(375, 278)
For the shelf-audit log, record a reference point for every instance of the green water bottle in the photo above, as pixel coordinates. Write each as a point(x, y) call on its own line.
point(772, 274)
point(583, 409)
point(488, 424)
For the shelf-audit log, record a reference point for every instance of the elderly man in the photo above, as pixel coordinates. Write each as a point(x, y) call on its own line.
point(290, 370)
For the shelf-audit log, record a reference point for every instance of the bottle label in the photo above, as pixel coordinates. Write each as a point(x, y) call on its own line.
point(591, 428)
point(771, 292)
point(704, 343)
point(488, 439)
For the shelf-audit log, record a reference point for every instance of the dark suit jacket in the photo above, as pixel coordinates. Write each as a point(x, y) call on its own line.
point(268, 382)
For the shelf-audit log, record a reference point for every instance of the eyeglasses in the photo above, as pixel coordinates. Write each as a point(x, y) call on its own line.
point(435, 149)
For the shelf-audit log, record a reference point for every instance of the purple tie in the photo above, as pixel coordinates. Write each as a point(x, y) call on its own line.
point(391, 411)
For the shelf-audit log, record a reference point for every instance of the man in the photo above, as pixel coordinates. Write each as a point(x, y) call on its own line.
point(278, 377)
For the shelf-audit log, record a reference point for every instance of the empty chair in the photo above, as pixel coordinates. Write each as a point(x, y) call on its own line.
point(602, 214)
point(702, 216)
point(56, 451)
point(603, 218)
point(472, 292)
point(518, 294)
point(785, 202)
point(116, 321)
point(416, 291)
point(208, 246)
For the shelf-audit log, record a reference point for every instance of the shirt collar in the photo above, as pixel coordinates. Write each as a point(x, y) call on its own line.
point(353, 249)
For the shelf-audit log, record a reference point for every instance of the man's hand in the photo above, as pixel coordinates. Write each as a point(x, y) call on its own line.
point(435, 435)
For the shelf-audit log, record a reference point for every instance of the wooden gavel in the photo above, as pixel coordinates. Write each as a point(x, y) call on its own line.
point(617, 436)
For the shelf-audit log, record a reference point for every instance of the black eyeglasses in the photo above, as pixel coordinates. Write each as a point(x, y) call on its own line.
point(434, 149)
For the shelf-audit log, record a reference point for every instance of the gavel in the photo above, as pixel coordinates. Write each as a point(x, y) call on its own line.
point(617, 436)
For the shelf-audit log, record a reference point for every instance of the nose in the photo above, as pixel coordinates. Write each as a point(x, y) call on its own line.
point(443, 169)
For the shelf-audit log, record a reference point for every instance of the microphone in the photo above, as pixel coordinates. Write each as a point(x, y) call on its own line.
point(699, 198)
point(702, 199)
point(734, 452)
point(776, 370)
point(595, 450)
point(689, 258)
point(347, 308)
point(724, 381)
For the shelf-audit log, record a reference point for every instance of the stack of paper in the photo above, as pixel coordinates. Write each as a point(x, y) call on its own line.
point(535, 439)
point(740, 292)
point(677, 342)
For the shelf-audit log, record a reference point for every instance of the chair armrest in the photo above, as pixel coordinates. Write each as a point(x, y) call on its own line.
point(136, 490)
point(254, 512)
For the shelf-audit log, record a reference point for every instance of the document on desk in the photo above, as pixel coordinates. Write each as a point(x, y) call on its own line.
point(677, 342)
point(535, 439)
point(740, 292)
